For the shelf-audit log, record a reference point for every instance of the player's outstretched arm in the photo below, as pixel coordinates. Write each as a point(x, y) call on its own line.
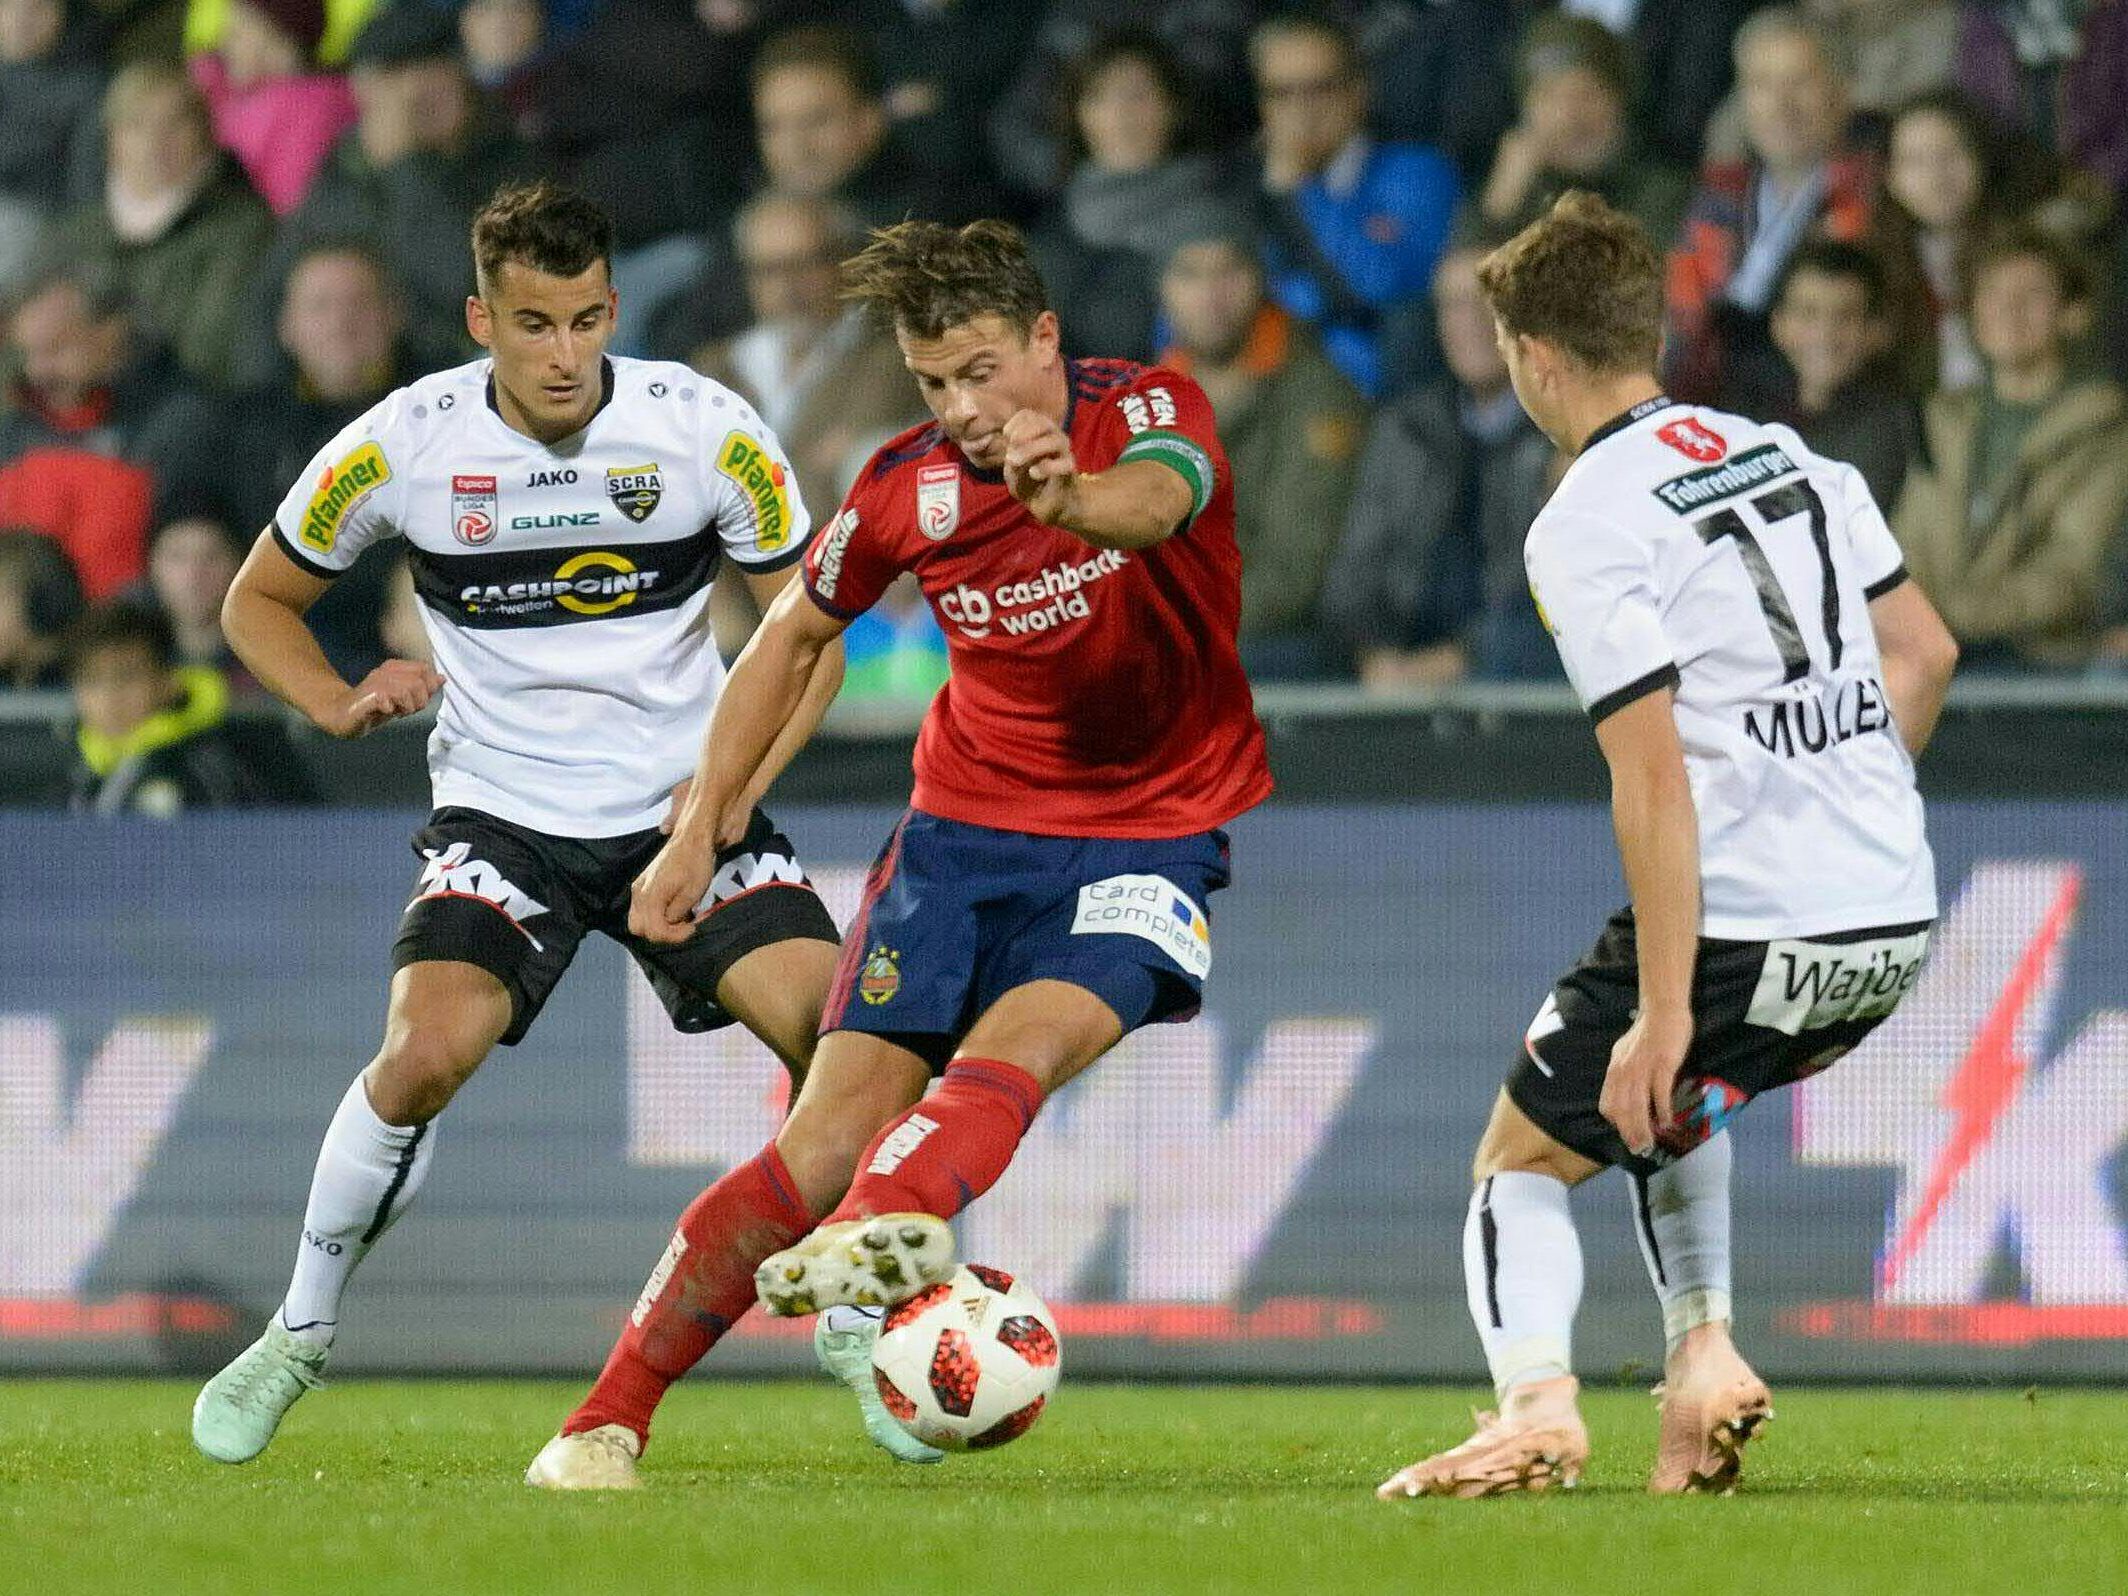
point(772, 684)
point(1133, 505)
point(1919, 655)
point(1658, 843)
point(813, 703)
point(262, 616)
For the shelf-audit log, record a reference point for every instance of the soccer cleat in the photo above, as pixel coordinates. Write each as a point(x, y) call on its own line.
point(238, 1410)
point(1710, 1408)
point(858, 1263)
point(845, 1351)
point(1534, 1443)
point(590, 1460)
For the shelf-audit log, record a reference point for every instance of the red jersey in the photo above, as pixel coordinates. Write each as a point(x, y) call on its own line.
point(1094, 692)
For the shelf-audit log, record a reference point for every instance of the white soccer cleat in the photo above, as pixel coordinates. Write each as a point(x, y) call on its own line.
point(237, 1412)
point(590, 1460)
point(1536, 1442)
point(843, 1342)
point(858, 1263)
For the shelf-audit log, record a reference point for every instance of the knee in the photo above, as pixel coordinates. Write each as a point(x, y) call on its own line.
point(418, 1071)
point(822, 1140)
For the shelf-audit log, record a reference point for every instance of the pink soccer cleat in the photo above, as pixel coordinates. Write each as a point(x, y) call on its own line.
point(1712, 1403)
point(1535, 1442)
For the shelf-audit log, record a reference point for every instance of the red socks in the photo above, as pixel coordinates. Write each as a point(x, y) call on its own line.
point(699, 1289)
point(950, 1148)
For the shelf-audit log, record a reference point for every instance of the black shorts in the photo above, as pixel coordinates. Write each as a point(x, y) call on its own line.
point(517, 902)
point(1765, 1015)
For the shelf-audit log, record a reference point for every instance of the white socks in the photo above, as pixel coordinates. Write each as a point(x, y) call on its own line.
point(1522, 1265)
point(367, 1173)
point(1681, 1215)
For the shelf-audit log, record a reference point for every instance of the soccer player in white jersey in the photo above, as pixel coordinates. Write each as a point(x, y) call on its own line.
point(565, 512)
point(1733, 613)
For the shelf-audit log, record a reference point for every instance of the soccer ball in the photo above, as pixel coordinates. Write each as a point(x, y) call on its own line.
point(968, 1363)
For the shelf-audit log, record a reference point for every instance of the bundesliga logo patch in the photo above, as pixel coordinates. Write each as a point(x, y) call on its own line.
point(473, 510)
point(938, 501)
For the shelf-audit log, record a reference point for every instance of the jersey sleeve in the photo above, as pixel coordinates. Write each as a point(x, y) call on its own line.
point(1878, 557)
point(349, 496)
point(852, 563)
point(1165, 417)
point(762, 521)
point(1596, 593)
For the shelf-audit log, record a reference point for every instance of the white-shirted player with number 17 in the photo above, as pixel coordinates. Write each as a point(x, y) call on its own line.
point(1734, 615)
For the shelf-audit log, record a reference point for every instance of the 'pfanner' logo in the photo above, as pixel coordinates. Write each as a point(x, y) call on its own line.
point(761, 478)
point(2002, 1155)
point(340, 488)
point(451, 874)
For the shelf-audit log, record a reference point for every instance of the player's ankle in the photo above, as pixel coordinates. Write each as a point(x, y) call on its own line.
point(1698, 1340)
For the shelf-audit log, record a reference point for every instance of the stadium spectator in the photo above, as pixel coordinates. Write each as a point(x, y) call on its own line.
point(207, 23)
point(1801, 179)
point(820, 117)
point(501, 40)
point(96, 427)
point(191, 562)
point(1946, 173)
point(407, 177)
point(1292, 427)
point(340, 330)
point(828, 381)
point(177, 220)
point(1833, 330)
point(2056, 71)
point(1208, 38)
point(944, 63)
point(154, 736)
point(1575, 131)
point(273, 110)
point(1427, 585)
point(2013, 517)
point(1353, 225)
point(40, 598)
point(50, 87)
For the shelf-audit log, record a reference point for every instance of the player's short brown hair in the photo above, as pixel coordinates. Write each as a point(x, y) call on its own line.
point(1585, 277)
point(552, 229)
point(925, 276)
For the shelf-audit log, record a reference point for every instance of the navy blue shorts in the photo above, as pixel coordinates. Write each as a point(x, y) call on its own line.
point(954, 916)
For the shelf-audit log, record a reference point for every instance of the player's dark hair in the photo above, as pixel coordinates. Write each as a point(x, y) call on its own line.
point(552, 229)
point(924, 277)
point(843, 51)
point(1585, 277)
point(120, 624)
point(2071, 274)
point(1832, 257)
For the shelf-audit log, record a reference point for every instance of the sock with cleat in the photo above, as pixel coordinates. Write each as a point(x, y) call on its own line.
point(1522, 1266)
point(950, 1148)
point(698, 1290)
point(367, 1174)
point(1681, 1215)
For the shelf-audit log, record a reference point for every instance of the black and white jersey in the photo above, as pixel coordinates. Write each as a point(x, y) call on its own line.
point(1697, 550)
point(564, 588)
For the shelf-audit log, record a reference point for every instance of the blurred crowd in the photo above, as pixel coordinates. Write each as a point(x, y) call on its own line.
point(229, 226)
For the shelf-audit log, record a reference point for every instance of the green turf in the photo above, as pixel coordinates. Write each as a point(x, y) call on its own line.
point(381, 1489)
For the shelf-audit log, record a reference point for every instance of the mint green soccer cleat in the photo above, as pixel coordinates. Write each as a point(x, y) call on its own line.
point(842, 1341)
point(239, 1409)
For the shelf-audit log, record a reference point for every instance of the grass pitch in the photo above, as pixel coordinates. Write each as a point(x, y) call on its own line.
point(381, 1489)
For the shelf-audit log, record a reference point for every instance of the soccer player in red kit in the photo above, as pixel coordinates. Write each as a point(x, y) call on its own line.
point(1072, 524)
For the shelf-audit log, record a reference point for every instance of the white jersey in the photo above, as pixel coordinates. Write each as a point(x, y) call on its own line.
point(1697, 550)
point(564, 588)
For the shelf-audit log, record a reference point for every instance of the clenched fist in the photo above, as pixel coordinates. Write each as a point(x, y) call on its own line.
point(1040, 470)
point(395, 688)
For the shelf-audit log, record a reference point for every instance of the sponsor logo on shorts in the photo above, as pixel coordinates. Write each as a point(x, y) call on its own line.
point(473, 510)
point(1043, 602)
point(451, 872)
point(1151, 907)
point(654, 1287)
point(827, 564)
point(1806, 986)
point(880, 978)
point(340, 488)
point(635, 490)
point(737, 877)
point(762, 479)
point(938, 501)
point(1702, 1110)
point(595, 582)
